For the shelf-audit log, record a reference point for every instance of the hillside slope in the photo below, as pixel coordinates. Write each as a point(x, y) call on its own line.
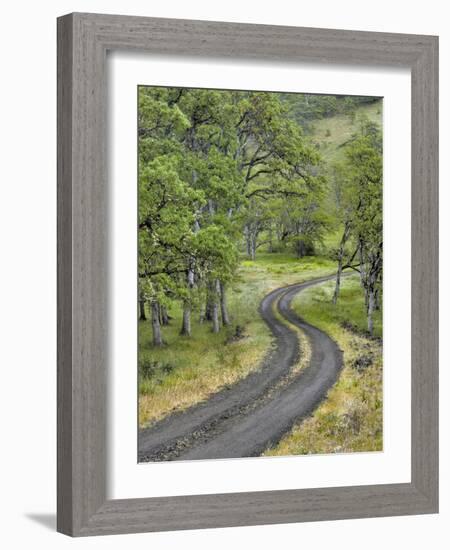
point(330, 134)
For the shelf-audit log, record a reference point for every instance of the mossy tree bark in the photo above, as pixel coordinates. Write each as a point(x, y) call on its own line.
point(186, 323)
point(344, 238)
point(215, 307)
point(156, 326)
point(142, 315)
point(223, 304)
point(164, 316)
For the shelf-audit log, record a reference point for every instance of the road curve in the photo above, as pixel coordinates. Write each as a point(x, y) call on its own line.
point(246, 418)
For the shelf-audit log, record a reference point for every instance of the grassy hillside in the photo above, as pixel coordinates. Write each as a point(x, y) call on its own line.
point(330, 134)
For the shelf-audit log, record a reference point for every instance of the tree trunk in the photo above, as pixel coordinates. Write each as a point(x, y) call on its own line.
point(253, 248)
point(215, 318)
point(142, 315)
point(344, 238)
point(248, 241)
point(156, 327)
point(370, 310)
point(337, 287)
point(211, 208)
point(251, 237)
point(223, 304)
point(215, 308)
point(201, 315)
point(164, 316)
point(186, 324)
point(160, 314)
point(208, 309)
point(362, 268)
point(270, 239)
point(363, 274)
point(300, 248)
point(372, 276)
point(190, 278)
point(377, 299)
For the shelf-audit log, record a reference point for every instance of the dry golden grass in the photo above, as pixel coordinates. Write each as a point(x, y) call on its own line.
point(303, 340)
point(202, 371)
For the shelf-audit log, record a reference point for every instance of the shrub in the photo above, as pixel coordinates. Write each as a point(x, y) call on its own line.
point(147, 367)
point(362, 362)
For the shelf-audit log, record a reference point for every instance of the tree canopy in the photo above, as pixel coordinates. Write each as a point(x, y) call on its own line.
point(359, 201)
point(225, 172)
point(213, 167)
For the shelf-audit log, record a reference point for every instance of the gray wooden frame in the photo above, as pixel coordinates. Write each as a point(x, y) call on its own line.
point(83, 40)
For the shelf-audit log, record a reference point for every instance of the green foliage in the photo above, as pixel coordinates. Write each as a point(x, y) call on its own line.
point(359, 195)
point(166, 216)
point(219, 168)
point(213, 165)
point(349, 313)
point(364, 166)
point(305, 108)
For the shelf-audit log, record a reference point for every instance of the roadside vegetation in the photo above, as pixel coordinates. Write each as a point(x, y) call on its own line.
point(189, 370)
point(350, 419)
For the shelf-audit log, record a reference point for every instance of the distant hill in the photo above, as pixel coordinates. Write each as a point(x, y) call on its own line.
point(308, 107)
point(332, 133)
point(332, 120)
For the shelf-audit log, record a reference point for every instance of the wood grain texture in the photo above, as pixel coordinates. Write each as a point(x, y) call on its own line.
point(64, 252)
point(424, 275)
point(83, 40)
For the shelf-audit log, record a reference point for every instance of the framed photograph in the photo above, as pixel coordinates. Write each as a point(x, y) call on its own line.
point(247, 274)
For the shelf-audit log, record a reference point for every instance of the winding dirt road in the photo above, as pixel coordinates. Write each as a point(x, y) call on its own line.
point(253, 414)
